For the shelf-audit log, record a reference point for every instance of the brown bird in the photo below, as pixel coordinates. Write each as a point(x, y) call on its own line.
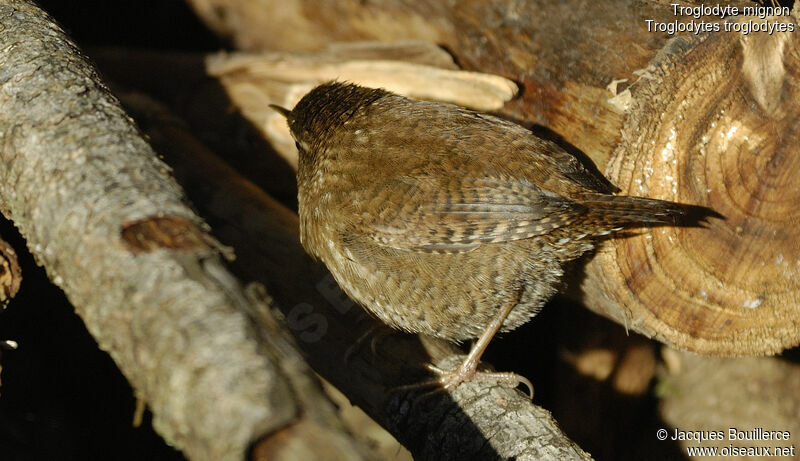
point(443, 221)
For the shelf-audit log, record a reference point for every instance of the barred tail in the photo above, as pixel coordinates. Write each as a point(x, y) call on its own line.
point(625, 211)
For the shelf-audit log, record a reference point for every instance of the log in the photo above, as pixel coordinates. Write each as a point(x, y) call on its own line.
point(728, 289)
point(475, 421)
point(707, 119)
point(102, 214)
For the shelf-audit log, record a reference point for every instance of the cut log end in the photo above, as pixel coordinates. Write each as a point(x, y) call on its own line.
point(719, 138)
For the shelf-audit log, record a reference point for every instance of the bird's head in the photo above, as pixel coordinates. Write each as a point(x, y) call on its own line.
point(323, 110)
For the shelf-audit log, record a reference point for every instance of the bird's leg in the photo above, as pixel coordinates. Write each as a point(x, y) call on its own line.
point(467, 371)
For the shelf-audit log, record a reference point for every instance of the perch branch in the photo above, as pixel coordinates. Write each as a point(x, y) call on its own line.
point(101, 213)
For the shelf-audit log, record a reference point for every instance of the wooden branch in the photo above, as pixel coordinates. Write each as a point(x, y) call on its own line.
point(476, 421)
point(707, 119)
point(112, 228)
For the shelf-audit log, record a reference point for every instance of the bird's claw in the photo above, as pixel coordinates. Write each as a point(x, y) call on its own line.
point(448, 380)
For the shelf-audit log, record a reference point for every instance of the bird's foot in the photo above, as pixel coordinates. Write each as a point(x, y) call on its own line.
point(448, 380)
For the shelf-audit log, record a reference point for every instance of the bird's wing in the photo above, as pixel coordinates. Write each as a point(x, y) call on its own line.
point(458, 214)
point(574, 167)
point(581, 172)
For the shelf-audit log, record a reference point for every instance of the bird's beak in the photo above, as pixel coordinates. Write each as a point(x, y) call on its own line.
point(285, 112)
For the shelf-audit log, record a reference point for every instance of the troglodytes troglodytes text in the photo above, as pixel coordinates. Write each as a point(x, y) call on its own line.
point(444, 221)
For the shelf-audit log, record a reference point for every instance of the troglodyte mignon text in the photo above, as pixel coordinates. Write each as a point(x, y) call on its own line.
point(443, 221)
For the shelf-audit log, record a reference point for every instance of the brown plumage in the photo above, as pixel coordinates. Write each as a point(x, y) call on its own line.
point(440, 220)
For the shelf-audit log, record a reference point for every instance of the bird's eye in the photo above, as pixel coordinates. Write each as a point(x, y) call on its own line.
point(297, 145)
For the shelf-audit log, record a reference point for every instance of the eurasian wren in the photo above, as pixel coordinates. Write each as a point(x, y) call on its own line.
point(444, 221)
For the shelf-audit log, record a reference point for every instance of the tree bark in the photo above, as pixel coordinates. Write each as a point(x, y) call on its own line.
point(102, 214)
point(707, 119)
